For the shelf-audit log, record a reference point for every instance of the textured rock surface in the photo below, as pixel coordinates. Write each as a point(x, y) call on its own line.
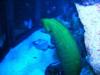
point(90, 17)
point(26, 59)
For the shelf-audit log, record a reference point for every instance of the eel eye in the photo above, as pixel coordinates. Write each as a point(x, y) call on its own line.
point(50, 31)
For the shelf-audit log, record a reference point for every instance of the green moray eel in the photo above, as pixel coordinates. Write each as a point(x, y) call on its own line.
point(67, 49)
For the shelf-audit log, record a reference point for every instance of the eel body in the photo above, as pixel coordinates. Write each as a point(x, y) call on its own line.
point(67, 49)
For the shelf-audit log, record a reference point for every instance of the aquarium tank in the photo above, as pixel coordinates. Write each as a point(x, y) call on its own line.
point(49, 37)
